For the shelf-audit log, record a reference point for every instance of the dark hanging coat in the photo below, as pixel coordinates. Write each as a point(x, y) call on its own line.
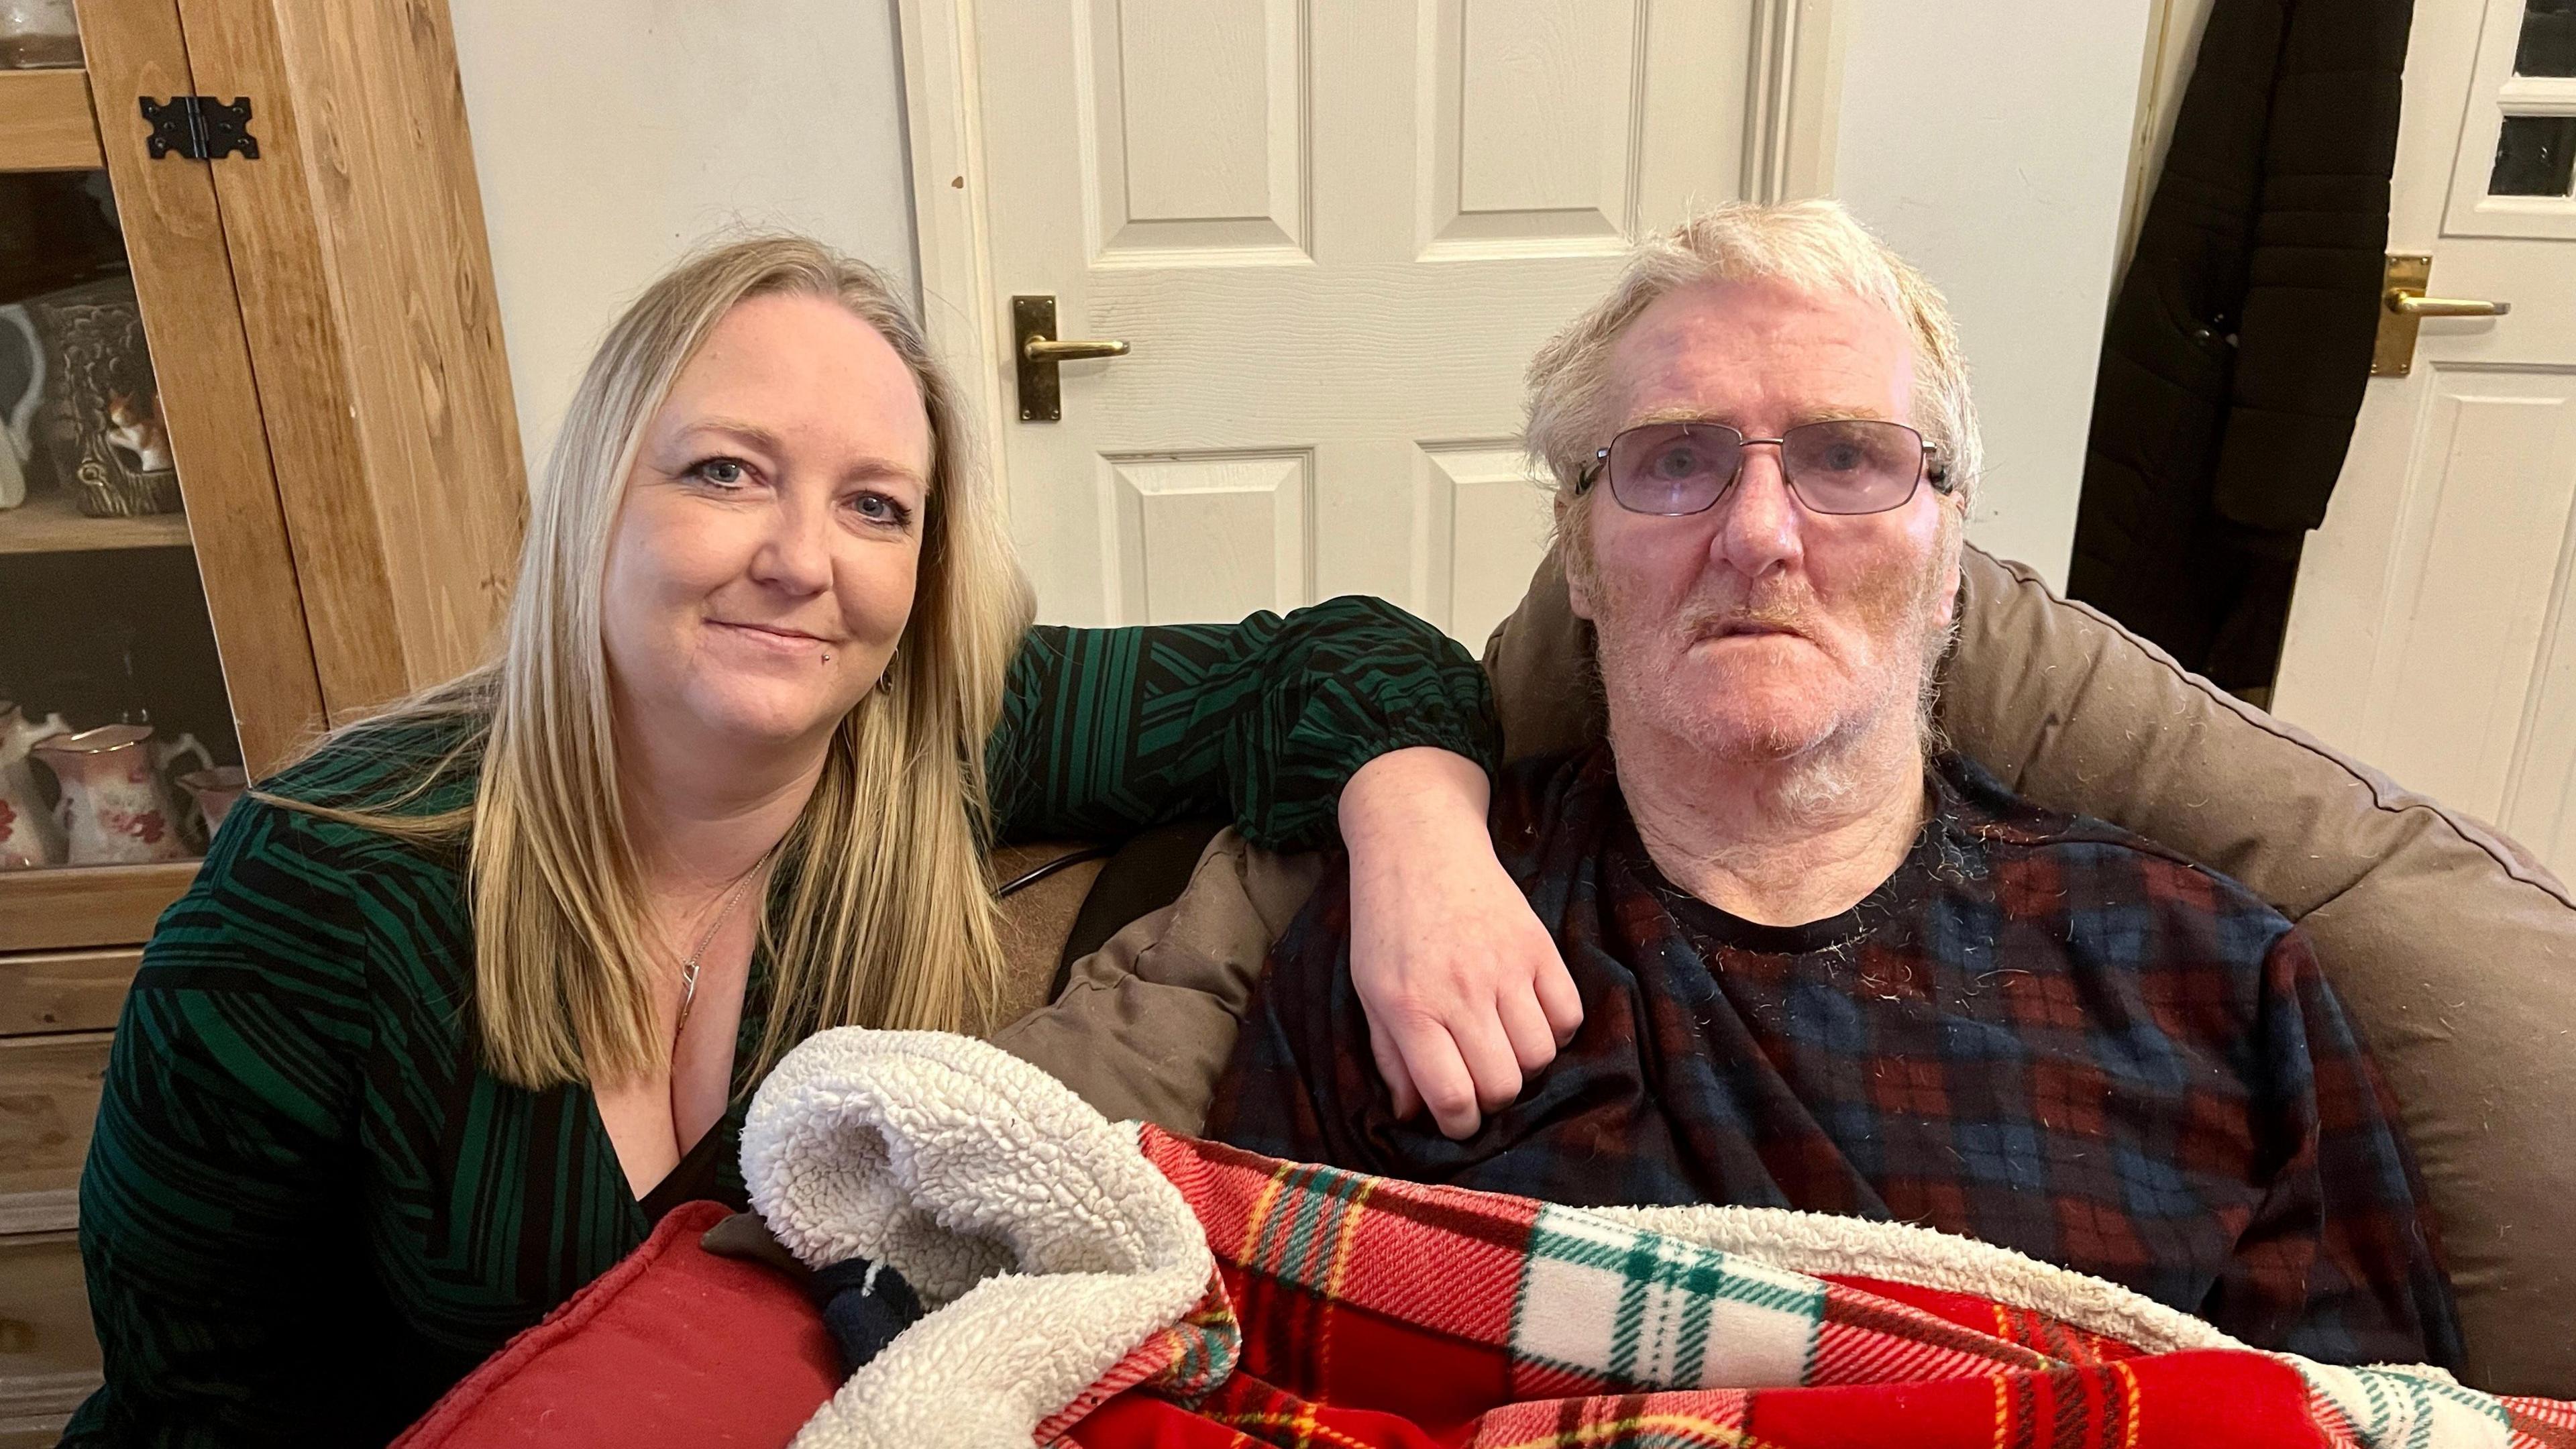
point(2236, 353)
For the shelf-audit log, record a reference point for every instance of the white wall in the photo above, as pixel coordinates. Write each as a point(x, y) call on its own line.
point(610, 136)
point(1990, 144)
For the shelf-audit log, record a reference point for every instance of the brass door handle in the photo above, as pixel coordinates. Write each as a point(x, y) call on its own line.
point(1039, 349)
point(2408, 304)
point(1038, 352)
point(2403, 305)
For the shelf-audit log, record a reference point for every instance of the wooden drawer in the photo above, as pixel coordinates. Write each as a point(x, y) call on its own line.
point(49, 1089)
point(60, 991)
point(60, 908)
point(48, 1358)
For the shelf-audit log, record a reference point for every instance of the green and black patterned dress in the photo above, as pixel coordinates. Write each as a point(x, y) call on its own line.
point(308, 1210)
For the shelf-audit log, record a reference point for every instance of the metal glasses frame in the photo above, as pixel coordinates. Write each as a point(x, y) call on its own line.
point(1934, 471)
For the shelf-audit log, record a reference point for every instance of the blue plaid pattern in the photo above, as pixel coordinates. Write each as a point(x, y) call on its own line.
point(2041, 1032)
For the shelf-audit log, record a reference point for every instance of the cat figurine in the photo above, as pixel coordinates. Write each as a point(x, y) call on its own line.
point(138, 430)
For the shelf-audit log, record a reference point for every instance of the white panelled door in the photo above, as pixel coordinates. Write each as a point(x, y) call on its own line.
point(1332, 232)
point(2434, 628)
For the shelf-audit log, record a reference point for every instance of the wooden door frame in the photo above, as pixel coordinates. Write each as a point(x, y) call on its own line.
point(1792, 97)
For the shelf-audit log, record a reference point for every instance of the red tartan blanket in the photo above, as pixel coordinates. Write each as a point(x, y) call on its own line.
point(1356, 1311)
point(1209, 1297)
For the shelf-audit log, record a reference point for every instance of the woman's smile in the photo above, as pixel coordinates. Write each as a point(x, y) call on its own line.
point(781, 639)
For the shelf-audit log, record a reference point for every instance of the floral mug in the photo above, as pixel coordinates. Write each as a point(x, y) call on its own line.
point(116, 810)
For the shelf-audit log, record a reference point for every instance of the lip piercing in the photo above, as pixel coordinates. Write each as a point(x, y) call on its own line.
point(827, 656)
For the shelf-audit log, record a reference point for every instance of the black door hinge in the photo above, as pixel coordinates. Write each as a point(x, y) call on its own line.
point(200, 128)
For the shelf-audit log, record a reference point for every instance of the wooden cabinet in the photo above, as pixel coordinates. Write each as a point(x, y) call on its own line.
point(326, 382)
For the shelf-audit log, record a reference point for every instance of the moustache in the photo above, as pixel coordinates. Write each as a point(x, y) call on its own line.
point(1781, 610)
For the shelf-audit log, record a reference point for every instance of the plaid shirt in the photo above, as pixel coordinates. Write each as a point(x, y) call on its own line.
point(2041, 1031)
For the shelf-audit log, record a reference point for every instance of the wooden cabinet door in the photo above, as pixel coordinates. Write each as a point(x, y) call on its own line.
point(357, 243)
point(327, 366)
point(120, 609)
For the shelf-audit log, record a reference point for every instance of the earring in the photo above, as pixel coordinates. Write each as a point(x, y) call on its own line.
point(885, 681)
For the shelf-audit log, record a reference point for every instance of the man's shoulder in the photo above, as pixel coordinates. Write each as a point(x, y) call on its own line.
point(2017, 831)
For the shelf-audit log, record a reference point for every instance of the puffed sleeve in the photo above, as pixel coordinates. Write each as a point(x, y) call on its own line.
point(1106, 731)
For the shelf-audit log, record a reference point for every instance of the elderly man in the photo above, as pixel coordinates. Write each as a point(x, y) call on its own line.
point(1823, 964)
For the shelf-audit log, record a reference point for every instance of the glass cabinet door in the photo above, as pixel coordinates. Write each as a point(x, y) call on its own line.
point(117, 745)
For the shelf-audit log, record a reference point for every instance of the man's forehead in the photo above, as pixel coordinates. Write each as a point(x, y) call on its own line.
point(1826, 355)
point(1738, 302)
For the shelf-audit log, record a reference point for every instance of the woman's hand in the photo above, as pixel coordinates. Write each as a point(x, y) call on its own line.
point(1465, 993)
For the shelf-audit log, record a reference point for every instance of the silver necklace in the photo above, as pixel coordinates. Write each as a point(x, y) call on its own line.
point(689, 963)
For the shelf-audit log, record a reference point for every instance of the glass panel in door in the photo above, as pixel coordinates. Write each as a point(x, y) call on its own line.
point(2547, 44)
point(116, 737)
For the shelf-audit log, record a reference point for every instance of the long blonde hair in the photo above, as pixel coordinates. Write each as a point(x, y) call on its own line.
point(883, 911)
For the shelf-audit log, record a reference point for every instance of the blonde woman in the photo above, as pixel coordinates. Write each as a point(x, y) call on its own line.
point(469, 996)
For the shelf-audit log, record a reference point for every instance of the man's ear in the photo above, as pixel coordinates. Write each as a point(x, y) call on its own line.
point(1572, 552)
point(1946, 611)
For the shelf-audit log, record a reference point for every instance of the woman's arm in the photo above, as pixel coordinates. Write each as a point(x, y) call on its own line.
point(1107, 731)
point(1351, 707)
point(209, 1206)
point(1465, 992)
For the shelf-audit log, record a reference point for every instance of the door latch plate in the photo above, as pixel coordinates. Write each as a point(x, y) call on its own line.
point(2408, 274)
point(1041, 393)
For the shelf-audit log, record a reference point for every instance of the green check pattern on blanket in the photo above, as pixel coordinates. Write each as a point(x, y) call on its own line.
point(1119, 1286)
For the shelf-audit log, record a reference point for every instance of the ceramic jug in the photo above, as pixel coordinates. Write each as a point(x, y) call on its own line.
point(22, 360)
point(115, 809)
point(28, 834)
point(214, 792)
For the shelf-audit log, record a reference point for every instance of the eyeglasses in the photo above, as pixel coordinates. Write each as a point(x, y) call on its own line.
point(1845, 465)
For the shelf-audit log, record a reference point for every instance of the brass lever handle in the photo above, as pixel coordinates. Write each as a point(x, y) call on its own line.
point(1041, 349)
point(2403, 306)
point(1033, 323)
point(2407, 304)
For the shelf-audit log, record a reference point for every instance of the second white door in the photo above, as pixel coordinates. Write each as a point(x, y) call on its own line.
point(2434, 629)
point(1332, 233)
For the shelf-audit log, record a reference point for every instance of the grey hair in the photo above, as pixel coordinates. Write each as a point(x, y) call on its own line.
point(1814, 246)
